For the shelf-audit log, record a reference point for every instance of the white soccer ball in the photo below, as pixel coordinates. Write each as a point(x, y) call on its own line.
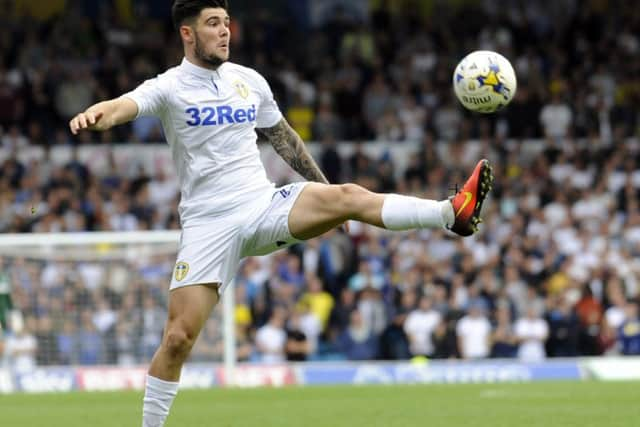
point(484, 81)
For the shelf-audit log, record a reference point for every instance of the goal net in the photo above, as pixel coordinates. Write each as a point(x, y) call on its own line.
point(94, 299)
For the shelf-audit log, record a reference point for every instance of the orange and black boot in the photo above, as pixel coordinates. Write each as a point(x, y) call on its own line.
point(467, 202)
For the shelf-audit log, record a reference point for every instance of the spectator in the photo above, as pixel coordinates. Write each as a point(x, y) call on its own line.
point(447, 121)
point(125, 341)
point(419, 326)
point(298, 347)
point(46, 342)
point(310, 325)
point(503, 338)
point(444, 339)
point(375, 101)
point(473, 331)
point(564, 328)
point(104, 318)
point(394, 344)
point(357, 342)
point(327, 126)
point(613, 318)
point(260, 310)
point(629, 331)
point(389, 128)
point(556, 118)
point(413, 119)
point(121, 219)
point(366, 278)
point(301, 117)
point(14, 139)
point(244, 346)
point(532, 332)
point(162, 189)
point(242, 314)
point(341, 313)
point(291, 272)
point(330, 161)
point(371, 306)
point(21, 345)
point(10, 101)
point(68, 343)
point(147, 129)
point(319, 301)
point(90, 343)
point(271, 338)
point(75, 93)
point(589, 312)
point(615, 315)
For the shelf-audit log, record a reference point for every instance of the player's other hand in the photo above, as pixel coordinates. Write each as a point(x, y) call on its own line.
point(88, 120)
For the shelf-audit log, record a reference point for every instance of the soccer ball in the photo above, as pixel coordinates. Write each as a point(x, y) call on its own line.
point(484, 81)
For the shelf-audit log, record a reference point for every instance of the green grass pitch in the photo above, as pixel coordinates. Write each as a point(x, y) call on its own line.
point(543, 404)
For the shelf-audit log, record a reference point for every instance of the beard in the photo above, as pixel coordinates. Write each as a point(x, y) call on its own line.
point(211, 59)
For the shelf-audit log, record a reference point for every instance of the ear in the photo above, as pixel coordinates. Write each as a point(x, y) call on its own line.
point(186, 33)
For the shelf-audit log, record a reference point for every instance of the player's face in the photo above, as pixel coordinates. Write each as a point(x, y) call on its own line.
point(212, 36)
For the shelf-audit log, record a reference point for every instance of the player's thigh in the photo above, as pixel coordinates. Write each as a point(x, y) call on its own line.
point(321, 207)
point(190, 307)
point(208, 258)
point(208, 253)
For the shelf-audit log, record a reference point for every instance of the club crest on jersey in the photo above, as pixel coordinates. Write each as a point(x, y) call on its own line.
point(181, 270)
point(241, 88)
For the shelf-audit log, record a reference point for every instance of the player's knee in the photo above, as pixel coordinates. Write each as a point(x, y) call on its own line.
point(178, 343)
point(351, 197)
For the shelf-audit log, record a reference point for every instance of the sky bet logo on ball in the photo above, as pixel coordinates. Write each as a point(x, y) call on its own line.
point(220, 115)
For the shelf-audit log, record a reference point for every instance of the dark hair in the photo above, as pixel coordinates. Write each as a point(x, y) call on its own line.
point(183, 10)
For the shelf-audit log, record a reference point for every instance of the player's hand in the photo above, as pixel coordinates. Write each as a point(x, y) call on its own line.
point(345, 227)
point(87, 120)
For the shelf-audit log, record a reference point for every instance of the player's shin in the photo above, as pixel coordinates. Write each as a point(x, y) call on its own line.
point(158, 397)
point(406, 212)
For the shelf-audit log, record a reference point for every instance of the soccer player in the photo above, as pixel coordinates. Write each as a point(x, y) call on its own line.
point(210, 111)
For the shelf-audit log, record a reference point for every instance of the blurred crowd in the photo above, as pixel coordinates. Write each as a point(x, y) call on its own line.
point(554, 272)
point(382, 75)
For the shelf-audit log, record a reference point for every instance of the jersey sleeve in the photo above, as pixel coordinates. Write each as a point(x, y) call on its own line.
point(151, 96)
point(268, 114)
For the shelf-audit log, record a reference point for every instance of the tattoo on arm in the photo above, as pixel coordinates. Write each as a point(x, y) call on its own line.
point(291, 148)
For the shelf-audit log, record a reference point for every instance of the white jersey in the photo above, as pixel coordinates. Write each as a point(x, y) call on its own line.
point(209, 120)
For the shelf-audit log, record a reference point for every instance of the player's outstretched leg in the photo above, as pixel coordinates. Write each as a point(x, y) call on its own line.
point(321, 207)
point(189, 308)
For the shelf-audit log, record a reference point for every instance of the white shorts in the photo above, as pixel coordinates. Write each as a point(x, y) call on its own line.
point(211, 253)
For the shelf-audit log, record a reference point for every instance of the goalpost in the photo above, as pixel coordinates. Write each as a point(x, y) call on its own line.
point(118, 281)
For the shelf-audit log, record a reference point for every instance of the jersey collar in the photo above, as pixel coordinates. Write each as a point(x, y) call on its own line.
point(196, 70)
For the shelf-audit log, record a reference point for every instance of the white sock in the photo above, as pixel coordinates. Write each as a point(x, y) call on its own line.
point(406, 213)
point(158, 397)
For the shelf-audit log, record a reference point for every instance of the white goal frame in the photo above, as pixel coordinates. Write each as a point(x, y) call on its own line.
point(16, 243)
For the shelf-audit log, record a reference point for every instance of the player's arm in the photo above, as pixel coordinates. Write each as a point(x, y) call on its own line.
point(105, 115)
point(291, 148)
